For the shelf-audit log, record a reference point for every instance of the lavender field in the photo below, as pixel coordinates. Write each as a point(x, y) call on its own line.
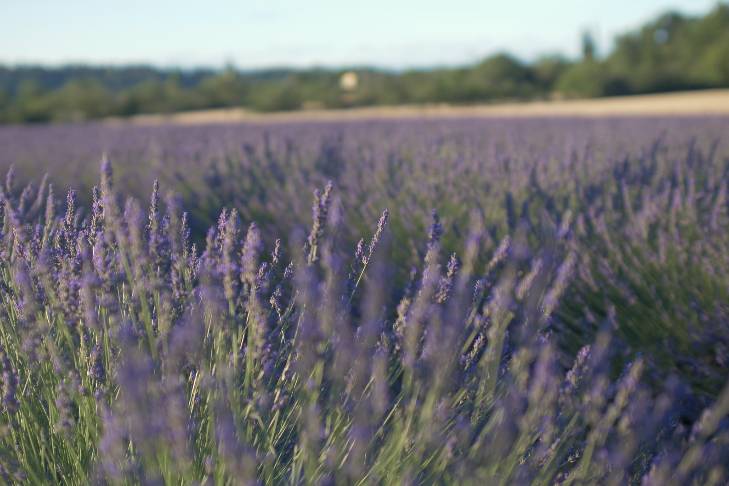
point(502, 301)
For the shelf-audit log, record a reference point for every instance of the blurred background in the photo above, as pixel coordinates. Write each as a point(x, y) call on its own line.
point(80, 60)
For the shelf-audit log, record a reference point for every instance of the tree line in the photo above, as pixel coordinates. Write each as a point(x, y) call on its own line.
point(672, 52)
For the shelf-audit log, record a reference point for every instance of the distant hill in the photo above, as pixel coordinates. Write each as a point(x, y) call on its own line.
point(671, 53)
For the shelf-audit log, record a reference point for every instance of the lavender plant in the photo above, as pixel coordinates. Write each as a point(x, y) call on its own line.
point(128, 355)
point(653, 246)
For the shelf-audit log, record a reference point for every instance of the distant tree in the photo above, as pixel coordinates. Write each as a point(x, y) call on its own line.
point(675, 52)
point(225, 89)
point(275, 96)
point(499, 77)
point(583, 80)
point(80, 99)
point(547, 70)
point(588, 46)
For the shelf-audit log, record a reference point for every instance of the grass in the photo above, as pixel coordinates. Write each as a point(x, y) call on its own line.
point(697, 103)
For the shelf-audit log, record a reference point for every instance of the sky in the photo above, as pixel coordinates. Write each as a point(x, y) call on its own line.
point(303, 33)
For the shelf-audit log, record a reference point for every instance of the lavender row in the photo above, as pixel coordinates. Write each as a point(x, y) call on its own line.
point(130, 354)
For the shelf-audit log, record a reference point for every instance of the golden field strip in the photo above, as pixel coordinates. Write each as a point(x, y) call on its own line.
point(708, 102)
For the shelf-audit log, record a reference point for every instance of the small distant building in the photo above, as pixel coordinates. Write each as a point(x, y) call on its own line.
point(348, 81)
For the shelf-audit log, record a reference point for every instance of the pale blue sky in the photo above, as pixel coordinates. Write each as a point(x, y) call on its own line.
point(259, 33)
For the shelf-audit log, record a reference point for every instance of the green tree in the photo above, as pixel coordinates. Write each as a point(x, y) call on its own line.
point(583, 80)
point(588, 46)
